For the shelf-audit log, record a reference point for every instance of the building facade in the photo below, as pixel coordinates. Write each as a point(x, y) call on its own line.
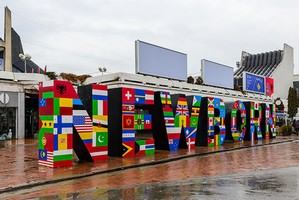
point(18, 90)
point(278, 65)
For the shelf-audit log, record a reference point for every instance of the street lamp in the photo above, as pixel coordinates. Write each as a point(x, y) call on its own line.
point(102, 69)
point(25, 57)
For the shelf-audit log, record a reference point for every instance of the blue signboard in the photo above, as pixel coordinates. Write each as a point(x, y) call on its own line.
point(253, 83)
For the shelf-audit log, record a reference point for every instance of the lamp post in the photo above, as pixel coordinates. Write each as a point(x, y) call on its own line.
point(25, 57)
point(102, 69)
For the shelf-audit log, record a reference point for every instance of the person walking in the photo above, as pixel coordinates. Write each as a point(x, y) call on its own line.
point(294, 125)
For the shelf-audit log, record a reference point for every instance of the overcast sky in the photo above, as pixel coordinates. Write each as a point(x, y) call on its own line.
point(77, 36)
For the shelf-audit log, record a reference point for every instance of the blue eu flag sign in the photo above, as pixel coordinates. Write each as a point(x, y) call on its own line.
point(255, 83)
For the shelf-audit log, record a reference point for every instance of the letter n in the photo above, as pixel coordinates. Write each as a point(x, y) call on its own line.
point(71, 120)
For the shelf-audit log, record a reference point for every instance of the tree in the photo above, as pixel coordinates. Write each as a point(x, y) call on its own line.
point(83, 77)
point(190, 79)
point(75, 79)
point(199, 81)
point(52, 75)
point(292, 102)
point(69, 76)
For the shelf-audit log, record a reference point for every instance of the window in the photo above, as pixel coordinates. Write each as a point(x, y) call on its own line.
point(8, 120)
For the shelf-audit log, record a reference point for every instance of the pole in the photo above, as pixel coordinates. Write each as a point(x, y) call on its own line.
point(25, 66)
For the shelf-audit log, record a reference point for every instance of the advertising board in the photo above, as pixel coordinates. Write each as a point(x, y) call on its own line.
point(253, 83)
point(158, 61)
point(216, 74)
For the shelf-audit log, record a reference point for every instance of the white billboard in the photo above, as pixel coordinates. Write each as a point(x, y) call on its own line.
point(158, 61)
point(216, 74)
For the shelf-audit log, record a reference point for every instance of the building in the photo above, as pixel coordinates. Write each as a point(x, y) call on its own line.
point(296, 83)
point(173, 86)
point(19, 103)
point(11, 47)
point(277, 64)
point(18, 90)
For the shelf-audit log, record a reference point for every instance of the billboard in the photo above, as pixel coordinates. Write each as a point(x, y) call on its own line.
point(269, 86)
point(253, 83)
point(158, 61)
point(216, 74)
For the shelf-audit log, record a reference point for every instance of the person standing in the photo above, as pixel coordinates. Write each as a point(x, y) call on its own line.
point(297, 127)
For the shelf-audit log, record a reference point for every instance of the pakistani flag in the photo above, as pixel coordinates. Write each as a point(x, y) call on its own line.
point(101, 139)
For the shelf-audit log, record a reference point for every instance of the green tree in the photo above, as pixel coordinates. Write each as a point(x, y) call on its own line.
point(292, 102)
point(52, 75)
point(190, 79)
point(199, 81)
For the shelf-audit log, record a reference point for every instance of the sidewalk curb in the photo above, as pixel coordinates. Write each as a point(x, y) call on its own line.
point(151, 163)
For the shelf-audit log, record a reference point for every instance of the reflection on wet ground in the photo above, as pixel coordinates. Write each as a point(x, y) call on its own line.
point(201, 177)
point(19, 166)
point(271, 184)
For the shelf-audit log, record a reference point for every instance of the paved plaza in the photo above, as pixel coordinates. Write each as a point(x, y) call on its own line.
point(23, 178)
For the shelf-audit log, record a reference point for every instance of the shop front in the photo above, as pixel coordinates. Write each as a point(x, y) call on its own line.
point(12, 114)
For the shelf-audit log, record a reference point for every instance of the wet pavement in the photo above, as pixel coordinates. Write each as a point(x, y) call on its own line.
point(20, 169)
point(267, 172)
point(267, 185)
point(273, 185)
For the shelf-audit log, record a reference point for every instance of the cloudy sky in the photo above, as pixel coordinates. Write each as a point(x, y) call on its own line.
point(78, 36)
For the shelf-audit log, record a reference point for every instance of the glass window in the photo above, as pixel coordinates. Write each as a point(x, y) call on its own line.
point(8, 120)
point(1, 64)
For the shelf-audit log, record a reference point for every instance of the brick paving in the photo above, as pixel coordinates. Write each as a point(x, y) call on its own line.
point(19, 167)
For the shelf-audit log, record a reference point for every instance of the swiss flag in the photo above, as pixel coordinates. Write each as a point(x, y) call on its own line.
point(128, 95)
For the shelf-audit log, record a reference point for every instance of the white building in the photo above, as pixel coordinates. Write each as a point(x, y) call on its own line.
point(277, 64)
point(18, 90)
point(19, 103)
